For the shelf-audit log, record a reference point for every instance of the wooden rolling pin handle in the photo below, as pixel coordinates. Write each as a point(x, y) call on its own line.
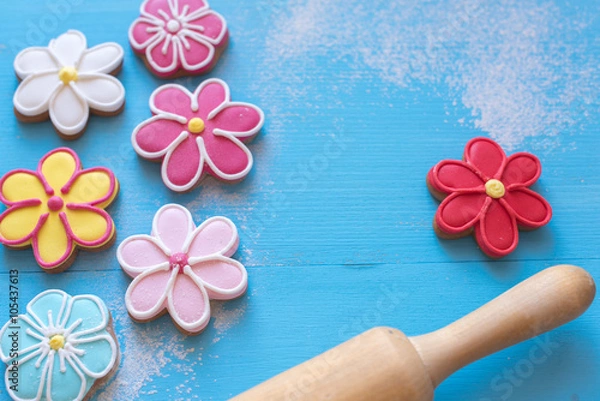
point(541, 303)
point(383, 364)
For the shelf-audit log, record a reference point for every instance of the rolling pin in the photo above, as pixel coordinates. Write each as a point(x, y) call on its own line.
point(383, 364)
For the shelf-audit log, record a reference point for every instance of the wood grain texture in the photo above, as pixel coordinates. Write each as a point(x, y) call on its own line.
point(335, 218)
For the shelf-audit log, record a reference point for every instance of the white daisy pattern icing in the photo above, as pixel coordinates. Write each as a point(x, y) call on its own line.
point(178, 36)
point(59, 348)
point(66, 79)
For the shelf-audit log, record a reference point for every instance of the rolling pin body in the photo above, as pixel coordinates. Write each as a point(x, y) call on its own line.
point(383, 364)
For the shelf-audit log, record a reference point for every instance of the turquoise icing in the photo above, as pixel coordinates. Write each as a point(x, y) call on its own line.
point(89, 352)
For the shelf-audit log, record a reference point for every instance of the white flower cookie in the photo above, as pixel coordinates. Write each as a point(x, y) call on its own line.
point(66, 80)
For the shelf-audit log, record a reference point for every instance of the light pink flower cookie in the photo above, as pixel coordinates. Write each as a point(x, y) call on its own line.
point(180, 267)
point(198, 133)
point(178, 37)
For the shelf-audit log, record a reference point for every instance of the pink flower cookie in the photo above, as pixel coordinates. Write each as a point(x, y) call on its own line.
point(198, 133)
point(180, 267)
point(178, 37)
point(57, 208)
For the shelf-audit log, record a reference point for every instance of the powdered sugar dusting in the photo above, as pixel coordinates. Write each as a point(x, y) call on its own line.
point(521, 66)
point(145, 351)
point(225, 318)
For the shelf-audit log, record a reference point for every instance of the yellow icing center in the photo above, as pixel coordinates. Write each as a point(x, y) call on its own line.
point(67, 75)
point(494, 188)
point(57, 342)
point(196, 125)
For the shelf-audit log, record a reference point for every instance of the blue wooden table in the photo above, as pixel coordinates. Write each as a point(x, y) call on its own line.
point(361, 99)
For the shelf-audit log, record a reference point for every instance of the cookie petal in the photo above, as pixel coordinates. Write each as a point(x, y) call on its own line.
point(223, 278)
point(182, 167)
point(459, 212)
point(21, 185)
point(521, 169)
point(211, 95)
point(189, 8)
point(68, 385)
point(217, 235)
point(189, 304)
point(497, 233)
point(152, 138)
point(92, 312)
point(48, 307)
point(102, 92)
point(195, 52)
point(36, 378)
point(486, 156)
point(34, 94)
point(454, 175)
point(227, 157)
point(27, 342)
point(172, 99)
point(69, 47)
point(531, 209)
point(104, 58)
point(145, 298)
point(144, 31)
point(52, 246)
point(89, 226)
point(58, 167)
point(173, 225)
point(162, 55)
point(139, 253)
point(69, 111)
point(94, 186)
point(100, 355)
point(209, 24)
point(34, 60)
point(18, 224)
point(240, 119)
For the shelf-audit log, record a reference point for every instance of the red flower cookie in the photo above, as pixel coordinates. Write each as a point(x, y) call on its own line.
point(487, 194)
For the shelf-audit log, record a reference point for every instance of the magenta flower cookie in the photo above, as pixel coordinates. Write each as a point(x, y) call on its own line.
point(198, 133)
point(178, 37)
point(180, 267)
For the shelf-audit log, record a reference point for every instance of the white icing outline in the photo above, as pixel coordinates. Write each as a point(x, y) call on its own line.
point(204, 158)
point(133, 271)
point(222, 255)
point(178, 41)
point(68, 354)
point(160, 303)
point(51, 104)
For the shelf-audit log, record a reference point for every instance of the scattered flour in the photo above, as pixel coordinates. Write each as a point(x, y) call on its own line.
point(522, 67)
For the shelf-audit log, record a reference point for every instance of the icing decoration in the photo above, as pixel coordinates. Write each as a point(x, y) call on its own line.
point(488, 193)
point(198, 133)
point(58, 207)
point(66, 79)
point(180, 267)
point(60, 347)
point(178, 35)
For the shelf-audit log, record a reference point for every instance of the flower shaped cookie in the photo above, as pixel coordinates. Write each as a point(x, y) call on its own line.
point(59, 349)
point(198, 133)
point(488, 193)
point(65, 80)
point(178, 36)
point(56, 208)
point(180, 267)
